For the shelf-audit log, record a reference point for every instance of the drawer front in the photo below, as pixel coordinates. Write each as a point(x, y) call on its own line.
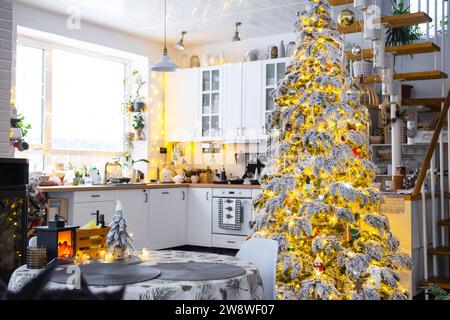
point(93, 196)
point(232, 193)
point(227, 242)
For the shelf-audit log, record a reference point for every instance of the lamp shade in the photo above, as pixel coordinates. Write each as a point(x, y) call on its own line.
point(164, 65)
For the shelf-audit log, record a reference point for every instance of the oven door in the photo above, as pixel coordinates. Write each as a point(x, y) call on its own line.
point(232, 216)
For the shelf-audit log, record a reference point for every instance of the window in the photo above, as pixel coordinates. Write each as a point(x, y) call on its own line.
point(87, 97)
point(30, 89)
point(434, 10)
point(73, 100)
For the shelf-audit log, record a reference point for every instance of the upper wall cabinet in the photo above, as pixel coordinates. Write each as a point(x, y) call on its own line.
point(243, 101)
point(211, 105)
point(181, 114)
point(227, 103)
point(232, 102)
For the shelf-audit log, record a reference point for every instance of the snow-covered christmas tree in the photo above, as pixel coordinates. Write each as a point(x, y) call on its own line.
point(318, 199)
point(118, 240)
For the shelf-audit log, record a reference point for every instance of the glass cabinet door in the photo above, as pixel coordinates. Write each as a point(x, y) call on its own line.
point(275, 72)
point(210, 103)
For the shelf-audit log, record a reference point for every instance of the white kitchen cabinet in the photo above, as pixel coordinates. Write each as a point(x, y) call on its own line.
point(252, 111)
point(136, 212)
point(168, 218)
point(273, 71)
point(182, 122)
point(232, 102)
point(82, 212)
point(199, 217)
point(211, 103)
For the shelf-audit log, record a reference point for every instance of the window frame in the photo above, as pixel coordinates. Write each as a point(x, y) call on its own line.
point(48, 47)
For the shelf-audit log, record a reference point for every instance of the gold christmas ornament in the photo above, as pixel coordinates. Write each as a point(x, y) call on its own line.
point(346, 18)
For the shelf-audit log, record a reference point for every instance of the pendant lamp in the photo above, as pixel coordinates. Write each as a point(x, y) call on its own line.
point(164, 65)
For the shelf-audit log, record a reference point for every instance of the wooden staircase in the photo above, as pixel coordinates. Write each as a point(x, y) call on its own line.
point(443, 252)
point(410, 49)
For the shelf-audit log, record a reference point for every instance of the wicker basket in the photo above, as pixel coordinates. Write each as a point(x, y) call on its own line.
point(384, 154)
point(206, 177)
point(362, 68)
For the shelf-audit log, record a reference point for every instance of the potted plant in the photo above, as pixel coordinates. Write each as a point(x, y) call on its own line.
point(402, 36)
point(127, 163)
point(138, 126)
point(136, 102)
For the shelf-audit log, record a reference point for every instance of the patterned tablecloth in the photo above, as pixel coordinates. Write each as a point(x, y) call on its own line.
point(245, 287)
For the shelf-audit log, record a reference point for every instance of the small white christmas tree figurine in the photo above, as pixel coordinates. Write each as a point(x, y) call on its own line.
point(118, 239)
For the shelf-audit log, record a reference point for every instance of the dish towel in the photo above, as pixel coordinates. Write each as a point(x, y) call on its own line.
point(230, 214)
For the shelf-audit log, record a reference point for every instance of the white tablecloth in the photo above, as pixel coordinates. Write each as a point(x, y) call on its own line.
point(245, 287)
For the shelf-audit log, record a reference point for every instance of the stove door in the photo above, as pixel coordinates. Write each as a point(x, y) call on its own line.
point(232, 216)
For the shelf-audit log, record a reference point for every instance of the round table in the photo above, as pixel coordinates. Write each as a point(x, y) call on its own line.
point(245, 287)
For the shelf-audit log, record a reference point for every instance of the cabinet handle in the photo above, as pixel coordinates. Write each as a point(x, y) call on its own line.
point(231, 241)
point(165, 192)
point(95, 196)
point(243, 129)
point(183, 195)
point(207, 196)
point(237, 132)
point(146, 196)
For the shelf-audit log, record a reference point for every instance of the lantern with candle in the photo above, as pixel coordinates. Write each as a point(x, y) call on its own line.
point(59, 239)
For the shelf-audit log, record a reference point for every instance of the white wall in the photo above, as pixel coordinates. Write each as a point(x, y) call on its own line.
point(235, 51)
point(6, 41)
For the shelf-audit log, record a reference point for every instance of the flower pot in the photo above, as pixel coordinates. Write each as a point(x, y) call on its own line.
point(139, 134)
point(119, 253)
point(139, 106)
point(406, 91)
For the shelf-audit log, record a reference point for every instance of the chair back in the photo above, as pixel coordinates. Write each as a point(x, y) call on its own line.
point(263, 254)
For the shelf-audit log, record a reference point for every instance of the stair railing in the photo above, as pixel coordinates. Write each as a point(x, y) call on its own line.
point(428, 166)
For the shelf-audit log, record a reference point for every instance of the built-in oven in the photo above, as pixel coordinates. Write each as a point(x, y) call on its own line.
point(232, 212)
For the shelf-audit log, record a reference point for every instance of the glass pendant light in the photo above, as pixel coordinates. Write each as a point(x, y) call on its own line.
point(164, 65)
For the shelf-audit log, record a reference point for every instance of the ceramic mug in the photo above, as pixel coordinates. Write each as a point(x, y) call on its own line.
point(195, 179)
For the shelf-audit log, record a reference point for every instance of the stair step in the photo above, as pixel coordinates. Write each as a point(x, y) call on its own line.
point(339, 2)
point(444, 223)
point(428, 102)
point(403, 20)
point(409, 76)
point(409, 49)
point(440, 251)
point(441, 282)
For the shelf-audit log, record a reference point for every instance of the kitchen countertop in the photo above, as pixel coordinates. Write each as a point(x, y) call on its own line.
point(144, 186)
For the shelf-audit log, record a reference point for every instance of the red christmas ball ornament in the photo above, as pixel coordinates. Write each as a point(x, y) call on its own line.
point(343, 138)
point(356, 152)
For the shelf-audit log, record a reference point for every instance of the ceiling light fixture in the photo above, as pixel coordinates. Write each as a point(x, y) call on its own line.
point(180, 44)
point(164, 65)
point(236, 37)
